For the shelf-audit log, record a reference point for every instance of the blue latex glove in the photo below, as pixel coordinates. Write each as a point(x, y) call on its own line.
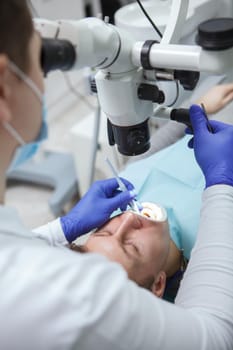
point(213, 150)
point(95, 208)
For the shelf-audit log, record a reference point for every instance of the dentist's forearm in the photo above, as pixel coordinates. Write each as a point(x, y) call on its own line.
point(207, 284)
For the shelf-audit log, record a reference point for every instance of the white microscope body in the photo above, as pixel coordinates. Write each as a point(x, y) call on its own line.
point(122, 63)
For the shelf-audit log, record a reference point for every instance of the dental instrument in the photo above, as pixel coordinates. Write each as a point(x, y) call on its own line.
point(133, 205)
point(209, 127)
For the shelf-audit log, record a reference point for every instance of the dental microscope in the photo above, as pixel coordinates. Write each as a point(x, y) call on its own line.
point(127, 77)
point(127, 71)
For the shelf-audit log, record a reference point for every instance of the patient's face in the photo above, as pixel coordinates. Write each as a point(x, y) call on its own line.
point(139, 244)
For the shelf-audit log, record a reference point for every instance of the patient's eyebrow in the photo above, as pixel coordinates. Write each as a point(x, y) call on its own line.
point(102, 233)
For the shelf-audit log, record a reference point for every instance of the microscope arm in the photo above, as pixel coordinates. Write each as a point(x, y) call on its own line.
point(185, 57)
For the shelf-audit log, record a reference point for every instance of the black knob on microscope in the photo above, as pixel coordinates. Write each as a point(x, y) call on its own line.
point(216, 34)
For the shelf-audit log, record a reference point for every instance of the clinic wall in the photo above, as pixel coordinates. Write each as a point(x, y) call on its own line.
point(58, 96)
point(53, 9)
point(226, 8)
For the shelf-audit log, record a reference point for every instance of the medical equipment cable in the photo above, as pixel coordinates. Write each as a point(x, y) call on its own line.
point(161, 35)
point(77, 93)
point(177, 94)
point(149, 19)
point(95, 143)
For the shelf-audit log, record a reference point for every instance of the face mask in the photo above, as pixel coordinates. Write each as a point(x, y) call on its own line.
point(27, 150)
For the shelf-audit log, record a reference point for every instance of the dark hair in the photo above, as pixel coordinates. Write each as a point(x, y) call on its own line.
point(78, 248)
point(16, 29)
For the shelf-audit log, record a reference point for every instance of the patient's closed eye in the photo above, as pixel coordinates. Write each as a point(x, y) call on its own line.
point(131, 246)
point(102, 234)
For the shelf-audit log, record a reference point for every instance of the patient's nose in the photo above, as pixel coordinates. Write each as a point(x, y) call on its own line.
point(130, 222)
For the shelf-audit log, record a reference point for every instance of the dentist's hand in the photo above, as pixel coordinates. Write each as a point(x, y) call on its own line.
point(95, 208)
point(213, 151)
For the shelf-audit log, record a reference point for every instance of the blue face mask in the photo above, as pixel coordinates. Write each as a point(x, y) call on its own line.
point(27, 150)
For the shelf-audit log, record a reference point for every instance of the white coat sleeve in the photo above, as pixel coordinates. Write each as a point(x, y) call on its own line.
point(207, 287)
point(65, 300)
point(52, 233)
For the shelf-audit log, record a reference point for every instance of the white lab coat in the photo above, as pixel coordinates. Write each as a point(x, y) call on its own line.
point(54, 298)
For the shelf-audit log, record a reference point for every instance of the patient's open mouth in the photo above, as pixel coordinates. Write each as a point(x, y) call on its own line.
point(153, 211)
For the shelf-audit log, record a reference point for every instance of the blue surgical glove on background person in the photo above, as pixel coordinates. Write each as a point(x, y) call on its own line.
point(95, 208)
point(213, 150)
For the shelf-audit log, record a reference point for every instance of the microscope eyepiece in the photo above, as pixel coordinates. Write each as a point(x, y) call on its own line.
point(57, 54)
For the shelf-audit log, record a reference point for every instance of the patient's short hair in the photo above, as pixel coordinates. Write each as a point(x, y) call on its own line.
point(16, 29)
point(78, 248)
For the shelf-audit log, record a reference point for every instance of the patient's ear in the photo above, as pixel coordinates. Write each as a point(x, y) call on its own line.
point(5, 112)
point(159, 284)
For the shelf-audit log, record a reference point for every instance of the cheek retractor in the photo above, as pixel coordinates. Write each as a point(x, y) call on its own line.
point(153, 211)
